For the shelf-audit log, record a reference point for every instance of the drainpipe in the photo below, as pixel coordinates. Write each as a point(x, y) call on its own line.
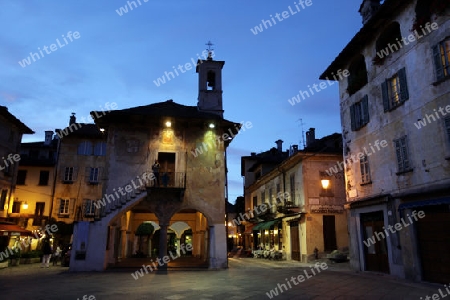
point(58, 149)
point(284, 182)
point(226, 202)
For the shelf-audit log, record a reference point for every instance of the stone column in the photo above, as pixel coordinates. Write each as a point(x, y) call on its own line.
point(178, 243)
point(162, 267)
point(123, 245)
point(212, 248)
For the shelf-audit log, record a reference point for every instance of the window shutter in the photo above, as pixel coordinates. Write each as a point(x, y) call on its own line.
point(87, 174)
point(405, 154)
point(75, 173)
point(438, 62)
point(404, 94)
point(352, 117)
point(358, 115)
point(365, 109)
point(72, 203)
point(385, 92)
point(398, 153)
point(447, 126)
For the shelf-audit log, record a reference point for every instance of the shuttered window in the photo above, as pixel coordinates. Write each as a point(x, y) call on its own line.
point(365, 169)
point(441, 57)
point(395, 90)
point(402, 153)
point(359, 113)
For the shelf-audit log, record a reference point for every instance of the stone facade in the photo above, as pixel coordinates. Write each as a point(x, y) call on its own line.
point(184, 198)
point(305, 215)
point(11, 131)
point(393, 112)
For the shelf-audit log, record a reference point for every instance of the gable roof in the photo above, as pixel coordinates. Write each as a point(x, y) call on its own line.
point(158, 110)
point(366, 34)
point(13, 120)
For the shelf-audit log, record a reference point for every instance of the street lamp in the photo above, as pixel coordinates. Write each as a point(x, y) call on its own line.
point(325, 183)
point(25, 205)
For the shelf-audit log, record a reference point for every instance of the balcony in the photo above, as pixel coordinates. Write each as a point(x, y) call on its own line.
point(167, 180)
point(288, 208)
point(168, 185)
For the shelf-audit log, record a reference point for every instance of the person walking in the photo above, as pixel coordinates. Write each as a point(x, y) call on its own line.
point(155, 169)
point(47, 250)
point(57, 255)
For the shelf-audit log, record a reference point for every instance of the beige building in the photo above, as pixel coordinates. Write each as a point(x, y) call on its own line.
point(80, 174)
point(395, 109)
point(11, 131)
point(12, 220)
point(183, 198)
point(295, 212)
point(35, 180)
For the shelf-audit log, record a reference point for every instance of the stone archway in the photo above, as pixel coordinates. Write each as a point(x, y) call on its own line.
point(179, 228)
point(96, 241)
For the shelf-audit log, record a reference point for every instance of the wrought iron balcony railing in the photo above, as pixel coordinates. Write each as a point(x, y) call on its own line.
point(167, 180)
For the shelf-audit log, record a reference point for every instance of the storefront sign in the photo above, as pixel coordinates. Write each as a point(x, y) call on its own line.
point(326, 209)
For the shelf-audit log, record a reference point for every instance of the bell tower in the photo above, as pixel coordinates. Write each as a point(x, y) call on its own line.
point(210, 84)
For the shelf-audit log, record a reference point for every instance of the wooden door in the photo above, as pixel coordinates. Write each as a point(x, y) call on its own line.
point(375, 246)
point(433, 236)
point(295, 241)
point(329, 233)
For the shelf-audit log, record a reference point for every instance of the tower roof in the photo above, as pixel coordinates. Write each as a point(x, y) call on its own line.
point(157, 111)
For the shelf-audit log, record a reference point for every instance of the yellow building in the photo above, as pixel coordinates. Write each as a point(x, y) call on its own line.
point(35, 181)
point(296, 205)
point(11, 131)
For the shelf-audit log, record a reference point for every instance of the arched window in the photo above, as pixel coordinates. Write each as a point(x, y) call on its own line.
point(358, 75)
point(211, 79)
point(423, 13)
point(388, 42)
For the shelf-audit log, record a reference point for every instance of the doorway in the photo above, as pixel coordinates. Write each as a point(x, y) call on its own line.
point(375, 246)
point(329, 233)
point(434, 243)
point(167, 168)
point(295, 241)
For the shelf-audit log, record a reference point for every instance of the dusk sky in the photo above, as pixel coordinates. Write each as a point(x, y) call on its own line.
point(113, 58)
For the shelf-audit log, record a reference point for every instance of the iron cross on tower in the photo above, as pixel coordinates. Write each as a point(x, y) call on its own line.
point(209, 49)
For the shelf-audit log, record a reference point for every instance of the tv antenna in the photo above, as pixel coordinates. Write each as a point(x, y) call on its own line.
point(303, 133)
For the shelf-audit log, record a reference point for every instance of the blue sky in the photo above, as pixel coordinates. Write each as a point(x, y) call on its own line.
point(117, 58)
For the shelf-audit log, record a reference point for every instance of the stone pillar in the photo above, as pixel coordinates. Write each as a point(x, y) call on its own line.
point(178, 243)
point(123, 245)
point(95, 246)
point(212, 248)
point(162, 267)
point(135, 244)
point(217, 247)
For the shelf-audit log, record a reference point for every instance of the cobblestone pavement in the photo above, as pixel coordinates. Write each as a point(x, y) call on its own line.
point(246, 278)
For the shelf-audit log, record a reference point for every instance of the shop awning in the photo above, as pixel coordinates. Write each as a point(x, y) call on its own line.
point(265, 225)
point(12, 230)
point(440, 201)
point(424, 203)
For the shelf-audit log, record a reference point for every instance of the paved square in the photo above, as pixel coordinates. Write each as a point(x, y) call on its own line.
point(246, 278)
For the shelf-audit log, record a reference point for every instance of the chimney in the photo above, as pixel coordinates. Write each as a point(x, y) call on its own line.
point(48, 137)
point(253, 154)
point(293, 149)
point(73, 119)
point(279, 145)
point(368, 9)
point(310, 137)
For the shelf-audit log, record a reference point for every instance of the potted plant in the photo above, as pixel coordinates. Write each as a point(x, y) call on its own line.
point(15, 257)
point(30, 257)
